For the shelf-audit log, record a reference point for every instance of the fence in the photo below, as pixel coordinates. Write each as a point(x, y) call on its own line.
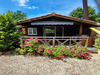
point(66, 40)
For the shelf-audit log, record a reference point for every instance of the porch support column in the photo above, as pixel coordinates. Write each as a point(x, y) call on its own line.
point(92, 33)
point(81, 29)
point(91, 38)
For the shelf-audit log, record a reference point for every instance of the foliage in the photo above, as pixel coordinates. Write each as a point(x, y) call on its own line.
point(18, 15)
point(97, 46)
point(8, 32)
point(97, 41)
point(92, 14)
point(32, 47)
point(77, 13)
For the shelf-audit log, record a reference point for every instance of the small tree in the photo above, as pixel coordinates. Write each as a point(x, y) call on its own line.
point(18, 15)
point(8, 32)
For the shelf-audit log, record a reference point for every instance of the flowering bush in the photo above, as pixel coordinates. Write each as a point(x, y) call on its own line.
point(32, 47)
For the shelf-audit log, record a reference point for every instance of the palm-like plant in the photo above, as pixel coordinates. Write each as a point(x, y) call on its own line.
point(96, 30)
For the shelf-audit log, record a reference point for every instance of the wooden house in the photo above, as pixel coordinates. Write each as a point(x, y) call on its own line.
point(58, 26)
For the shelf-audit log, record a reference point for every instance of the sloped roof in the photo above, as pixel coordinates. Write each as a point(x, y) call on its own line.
point(61, 16)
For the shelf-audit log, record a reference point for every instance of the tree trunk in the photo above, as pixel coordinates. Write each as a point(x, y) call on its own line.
point(85, 9)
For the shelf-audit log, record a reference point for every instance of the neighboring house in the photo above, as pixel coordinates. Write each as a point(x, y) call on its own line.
point(57, 25)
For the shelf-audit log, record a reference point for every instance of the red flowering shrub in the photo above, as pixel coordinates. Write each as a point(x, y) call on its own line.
point(32, 47)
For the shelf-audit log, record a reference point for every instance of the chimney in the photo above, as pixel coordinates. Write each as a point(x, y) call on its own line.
point(85, 9)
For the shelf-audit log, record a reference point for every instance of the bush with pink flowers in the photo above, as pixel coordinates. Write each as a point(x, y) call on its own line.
point(32, 47)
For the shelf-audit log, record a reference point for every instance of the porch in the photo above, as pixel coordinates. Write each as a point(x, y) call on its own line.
point(61, 40)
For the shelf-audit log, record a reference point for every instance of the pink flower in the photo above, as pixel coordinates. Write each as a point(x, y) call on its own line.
point(80, 45)
point(26, 54)
point(40, 47)
point(26, 43)
point(80, 51)
point(23, 45)
point(49, 52)
point(29, 44)
point(49, 49)
point(26, 39)
point(72, 50)
point(84, 52)
point(62, 53)
point(43, 47)
point(61, 50)
point(88, 52)
point(62, 56)
point(75, 47)
point(51, 58)
point(30, 38)
point(36, 39)
point(58, 56)
point(76, 53)
point(83, 55)
point(45, 40)
point(79, 56)
point(89, 57)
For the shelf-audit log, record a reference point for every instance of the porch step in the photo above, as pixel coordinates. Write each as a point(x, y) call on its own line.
point(92, 49)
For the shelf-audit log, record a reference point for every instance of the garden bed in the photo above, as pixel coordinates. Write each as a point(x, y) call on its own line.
point(39, 65)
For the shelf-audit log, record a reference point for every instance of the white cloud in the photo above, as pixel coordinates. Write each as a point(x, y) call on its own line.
point(21, 2)
point(32, 7)
point(24, 4)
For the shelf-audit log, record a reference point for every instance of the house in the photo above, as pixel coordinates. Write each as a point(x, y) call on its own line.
point(56, 25)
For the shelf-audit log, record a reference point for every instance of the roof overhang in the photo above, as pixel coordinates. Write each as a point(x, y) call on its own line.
point(53, 14)
point(52, 23)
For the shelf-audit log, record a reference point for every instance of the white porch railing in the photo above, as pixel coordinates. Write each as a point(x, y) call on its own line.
point(64, 40)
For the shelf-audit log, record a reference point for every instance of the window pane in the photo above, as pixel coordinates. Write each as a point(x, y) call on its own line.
point(49, 31)
point(35, 31)
point(30, 31)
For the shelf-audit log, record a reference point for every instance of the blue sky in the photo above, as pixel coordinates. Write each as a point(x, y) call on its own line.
point(35, 8)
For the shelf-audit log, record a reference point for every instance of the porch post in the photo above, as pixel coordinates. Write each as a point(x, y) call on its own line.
point(53, 42)
point(91, 38)
point(80, 31)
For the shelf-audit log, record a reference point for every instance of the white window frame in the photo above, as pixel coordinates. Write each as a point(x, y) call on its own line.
point(32, 31)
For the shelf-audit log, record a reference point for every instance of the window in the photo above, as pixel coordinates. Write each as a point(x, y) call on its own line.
point(32, 31)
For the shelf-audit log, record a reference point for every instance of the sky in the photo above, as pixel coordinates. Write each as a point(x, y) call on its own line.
point(35, 8)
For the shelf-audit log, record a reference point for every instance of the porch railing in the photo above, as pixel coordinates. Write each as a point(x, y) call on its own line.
point(66, 40)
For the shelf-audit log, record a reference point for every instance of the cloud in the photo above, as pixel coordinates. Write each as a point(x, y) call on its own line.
point(32, 7)
point(23, 3)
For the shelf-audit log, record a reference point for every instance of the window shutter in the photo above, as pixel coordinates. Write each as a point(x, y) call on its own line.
point(23, 30)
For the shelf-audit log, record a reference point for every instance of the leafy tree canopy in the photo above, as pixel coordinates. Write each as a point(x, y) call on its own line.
point(92, 14)
point(18, 15)
point(8, 32)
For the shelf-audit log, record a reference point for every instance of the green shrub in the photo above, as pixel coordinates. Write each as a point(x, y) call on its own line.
point(32, 47)
point(97, 46)
point(8, 32)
